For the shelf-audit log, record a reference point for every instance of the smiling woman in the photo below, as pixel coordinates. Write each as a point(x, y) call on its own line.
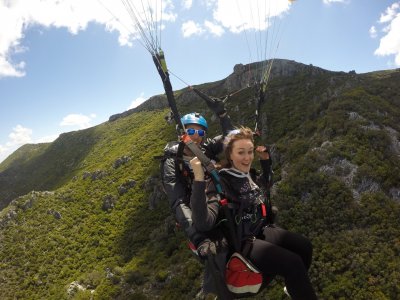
point(244, 215)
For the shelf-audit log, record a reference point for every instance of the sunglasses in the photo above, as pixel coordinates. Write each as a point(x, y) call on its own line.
point(191, 131)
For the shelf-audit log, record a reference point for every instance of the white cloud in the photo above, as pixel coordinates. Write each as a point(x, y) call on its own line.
point(7, 69)
point(2, 150)
point(390, 13)
point(16, 16)
point(214, 29)
point(236, 16)
point(241, 15)
point(19, 136)
point(390, 42)
point(79, 120)
point(139, 100)
point(335, 1)
point(190, 28)
point(187, 4)
point(4, 153)
point(372, 32)
point(209, 3)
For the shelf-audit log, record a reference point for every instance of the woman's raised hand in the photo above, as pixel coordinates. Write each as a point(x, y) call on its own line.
point(262, 152)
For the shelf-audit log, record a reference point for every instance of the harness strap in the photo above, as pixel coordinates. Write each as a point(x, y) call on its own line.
point(263, 215)
point(247, 246)
point(179, 155)
point(227, 212)
point(263, 210)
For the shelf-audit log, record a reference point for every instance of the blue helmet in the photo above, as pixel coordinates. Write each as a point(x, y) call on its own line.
point(194, 118)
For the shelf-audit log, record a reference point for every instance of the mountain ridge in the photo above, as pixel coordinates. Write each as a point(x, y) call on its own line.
point(237, 80)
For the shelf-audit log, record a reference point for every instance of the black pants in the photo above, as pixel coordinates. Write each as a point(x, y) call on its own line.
point(284, 253)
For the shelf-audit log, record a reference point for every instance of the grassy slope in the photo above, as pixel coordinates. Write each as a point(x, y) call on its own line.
point(86, 238)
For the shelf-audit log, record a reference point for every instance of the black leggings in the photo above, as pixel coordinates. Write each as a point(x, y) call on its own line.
point(284, 253)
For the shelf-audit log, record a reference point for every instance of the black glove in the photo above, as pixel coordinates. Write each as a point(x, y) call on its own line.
point(268, 150)
point(206, 248)
point(217, 105)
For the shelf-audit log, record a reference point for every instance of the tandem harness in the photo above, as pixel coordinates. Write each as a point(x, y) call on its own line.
point(242, 278)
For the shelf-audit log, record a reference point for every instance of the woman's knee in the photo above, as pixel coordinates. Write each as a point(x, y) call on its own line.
point(307, 252)
point(293, 262)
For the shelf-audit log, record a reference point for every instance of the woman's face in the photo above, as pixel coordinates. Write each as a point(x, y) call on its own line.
point(242, 154)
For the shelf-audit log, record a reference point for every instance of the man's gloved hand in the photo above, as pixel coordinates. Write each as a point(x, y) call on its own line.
point(207, 247)
point(217, 105)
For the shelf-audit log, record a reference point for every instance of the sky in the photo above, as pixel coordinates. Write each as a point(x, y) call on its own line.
point(68, 65)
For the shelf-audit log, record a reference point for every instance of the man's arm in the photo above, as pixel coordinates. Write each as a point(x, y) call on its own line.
point(225, 123)
point(176, 193)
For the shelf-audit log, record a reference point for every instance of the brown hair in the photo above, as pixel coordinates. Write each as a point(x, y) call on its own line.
point(235, 135)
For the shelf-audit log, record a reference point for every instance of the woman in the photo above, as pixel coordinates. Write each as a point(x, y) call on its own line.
point(274, 251)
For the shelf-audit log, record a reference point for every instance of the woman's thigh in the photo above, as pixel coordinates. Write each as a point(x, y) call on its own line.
point(291, 241)
point(272, 259)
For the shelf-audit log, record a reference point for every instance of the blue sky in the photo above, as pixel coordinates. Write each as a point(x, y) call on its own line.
point(68, 65)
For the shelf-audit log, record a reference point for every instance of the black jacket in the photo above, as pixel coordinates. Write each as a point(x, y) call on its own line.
point(245, 194)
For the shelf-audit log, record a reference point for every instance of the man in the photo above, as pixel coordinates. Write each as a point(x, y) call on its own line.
point(178, 178)
point(178, 175)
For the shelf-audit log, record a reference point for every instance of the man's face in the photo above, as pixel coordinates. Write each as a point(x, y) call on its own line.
point(195, 137)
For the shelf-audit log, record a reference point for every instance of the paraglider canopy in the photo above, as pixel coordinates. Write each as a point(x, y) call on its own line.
point(143, 21)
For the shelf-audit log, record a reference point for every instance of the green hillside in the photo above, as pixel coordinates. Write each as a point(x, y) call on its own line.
point(91, 222)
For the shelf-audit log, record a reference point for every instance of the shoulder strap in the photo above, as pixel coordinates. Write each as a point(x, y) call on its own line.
point(180, 160)
point(179, 156)
point(227, 208)
point(233, 237)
